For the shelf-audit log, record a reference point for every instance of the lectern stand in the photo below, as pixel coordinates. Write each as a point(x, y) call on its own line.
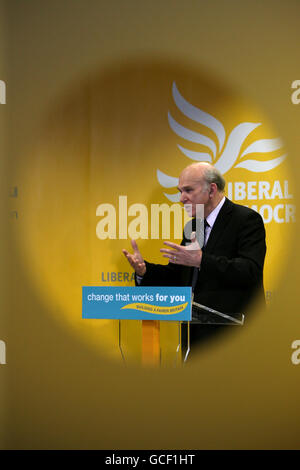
point(152, 347)
point(203, 315)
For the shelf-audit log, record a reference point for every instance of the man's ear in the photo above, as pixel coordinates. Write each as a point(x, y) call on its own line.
point(213, 189)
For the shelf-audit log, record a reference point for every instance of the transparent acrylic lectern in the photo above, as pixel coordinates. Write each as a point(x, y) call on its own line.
point(153, 347)
point(202, 315)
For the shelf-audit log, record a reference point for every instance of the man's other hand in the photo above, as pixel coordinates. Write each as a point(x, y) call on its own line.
point(190, 255)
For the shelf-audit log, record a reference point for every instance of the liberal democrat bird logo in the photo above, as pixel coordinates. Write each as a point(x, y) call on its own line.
point(224, 157)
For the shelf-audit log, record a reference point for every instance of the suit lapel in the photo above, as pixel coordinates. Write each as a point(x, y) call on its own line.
point(221, 222)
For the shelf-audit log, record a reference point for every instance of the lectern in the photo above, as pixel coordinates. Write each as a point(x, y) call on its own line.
point(203, 315)
point(152, 350)
point(158, 314)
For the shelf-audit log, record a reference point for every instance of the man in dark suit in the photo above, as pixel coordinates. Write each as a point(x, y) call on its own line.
point(227, 272)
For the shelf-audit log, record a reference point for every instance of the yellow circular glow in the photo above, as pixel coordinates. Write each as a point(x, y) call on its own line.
point(106, 138)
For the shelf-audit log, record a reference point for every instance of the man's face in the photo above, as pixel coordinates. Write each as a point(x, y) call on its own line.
point(193, 190)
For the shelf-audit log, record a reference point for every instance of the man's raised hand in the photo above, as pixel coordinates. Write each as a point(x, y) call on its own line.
point(190, 255)
point(135, 260)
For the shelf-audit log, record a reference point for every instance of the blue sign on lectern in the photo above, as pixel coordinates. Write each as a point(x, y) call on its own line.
point(137, 303)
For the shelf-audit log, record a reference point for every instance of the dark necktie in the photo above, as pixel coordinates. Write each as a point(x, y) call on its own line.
point(206, 225)
point(196, 270)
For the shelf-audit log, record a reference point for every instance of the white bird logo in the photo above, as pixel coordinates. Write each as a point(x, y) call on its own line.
point(223, 158)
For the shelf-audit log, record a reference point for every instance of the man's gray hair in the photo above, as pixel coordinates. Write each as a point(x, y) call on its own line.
point(212, 175)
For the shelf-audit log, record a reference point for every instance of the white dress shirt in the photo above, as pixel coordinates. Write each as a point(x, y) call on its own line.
point(211, 218)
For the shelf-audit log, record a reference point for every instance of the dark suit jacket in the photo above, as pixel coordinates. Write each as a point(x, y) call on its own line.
point(231, 271)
